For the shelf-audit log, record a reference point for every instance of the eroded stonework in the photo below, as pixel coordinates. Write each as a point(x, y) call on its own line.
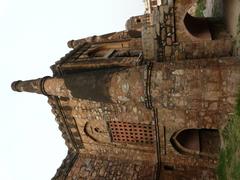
point(147, 102)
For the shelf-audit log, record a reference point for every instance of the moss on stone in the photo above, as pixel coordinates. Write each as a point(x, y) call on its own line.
point(238, 26)
point(200, 8)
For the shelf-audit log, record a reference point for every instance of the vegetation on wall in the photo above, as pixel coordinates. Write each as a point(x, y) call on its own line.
point(217, 8)
point(200, 8)
point(238, 25)
point(237, 39)
point(229, 160)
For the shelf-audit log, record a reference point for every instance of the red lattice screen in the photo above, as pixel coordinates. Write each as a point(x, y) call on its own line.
point(131, 132)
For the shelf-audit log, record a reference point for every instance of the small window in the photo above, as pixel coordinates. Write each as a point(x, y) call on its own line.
point(138, 20)
point(168, 168)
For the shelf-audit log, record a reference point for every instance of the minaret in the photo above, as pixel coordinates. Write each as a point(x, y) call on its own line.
point(48, 86)
point(116, 86)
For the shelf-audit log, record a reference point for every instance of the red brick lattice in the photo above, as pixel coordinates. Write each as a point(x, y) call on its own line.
point(131, 133)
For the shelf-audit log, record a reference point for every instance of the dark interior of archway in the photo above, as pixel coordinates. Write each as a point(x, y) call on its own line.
point(197, 26)
point(203, 140)
point(217, 28)
point(209, 141)
point(206, 28)
point(189, 139)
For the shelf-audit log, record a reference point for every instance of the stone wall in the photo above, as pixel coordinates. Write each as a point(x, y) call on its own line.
point(149, 43)
point(186, 172)
point(188, 94)
point(136, 22)
point(151, 4)
point(196, 93)
point(164, 20)
point(159, 38)
point(204, 49)
point(104, 89)
point(171, 36)
point(182, 7)
point(86, 112)
point(209, 39)
point(125, 109)
point(114, 49)
point(199, 94)
point(98, 168)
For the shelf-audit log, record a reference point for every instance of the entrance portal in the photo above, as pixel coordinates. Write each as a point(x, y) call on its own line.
point(197, 141)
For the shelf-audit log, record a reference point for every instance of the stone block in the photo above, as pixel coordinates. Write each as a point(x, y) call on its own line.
point(168, 50)
point(212, 95)
point(163, 34)
point(169, 41)
point(178, 72)
point(213, 106)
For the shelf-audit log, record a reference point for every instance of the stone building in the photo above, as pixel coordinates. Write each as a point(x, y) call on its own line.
point(146, 102)
point(150, 5)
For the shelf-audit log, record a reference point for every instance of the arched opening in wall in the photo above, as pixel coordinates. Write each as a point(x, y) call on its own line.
point(197, 27)
point(205, 142)
point(138, 20)
point(204, 20)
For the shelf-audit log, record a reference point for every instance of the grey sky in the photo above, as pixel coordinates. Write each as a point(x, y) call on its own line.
point(33, 36)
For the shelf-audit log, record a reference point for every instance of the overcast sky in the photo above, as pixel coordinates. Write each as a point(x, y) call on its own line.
point(33, 36)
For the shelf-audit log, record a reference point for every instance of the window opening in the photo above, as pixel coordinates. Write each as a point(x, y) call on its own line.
point(131, 132)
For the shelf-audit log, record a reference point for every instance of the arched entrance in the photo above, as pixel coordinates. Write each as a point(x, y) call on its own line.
point(197, 26)
point(205, 142)
point(206, 21)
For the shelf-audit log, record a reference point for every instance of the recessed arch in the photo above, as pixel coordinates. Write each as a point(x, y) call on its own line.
point(97, 131)
point(204, 142)
point(197, 27)
point(208, 24)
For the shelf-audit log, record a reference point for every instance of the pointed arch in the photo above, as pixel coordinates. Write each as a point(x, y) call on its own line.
point(203, 142)
point(197, 27)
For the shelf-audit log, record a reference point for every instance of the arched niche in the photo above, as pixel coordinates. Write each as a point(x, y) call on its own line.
point(203, 142)
point(207, 25)
point(197, 27)
point(97, 130)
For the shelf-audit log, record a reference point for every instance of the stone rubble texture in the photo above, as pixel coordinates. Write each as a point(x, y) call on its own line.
point(146, 102)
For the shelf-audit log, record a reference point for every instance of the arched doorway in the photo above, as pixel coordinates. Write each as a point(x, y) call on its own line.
point(197, 26)
point(205, 142)
point(204, 20)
